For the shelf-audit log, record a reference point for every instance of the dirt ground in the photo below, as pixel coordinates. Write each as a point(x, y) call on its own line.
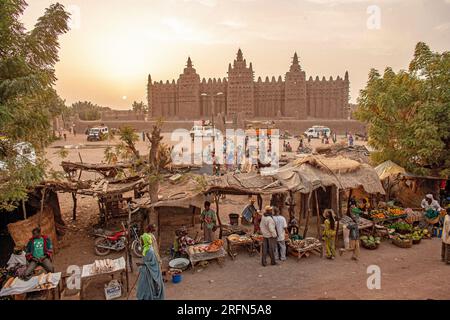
point(415, 273)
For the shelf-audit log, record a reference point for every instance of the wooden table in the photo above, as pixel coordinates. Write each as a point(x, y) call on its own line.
point(205, 256)
point(87, 275)
point(54, 290)
point(245, 241)
point(316, 248)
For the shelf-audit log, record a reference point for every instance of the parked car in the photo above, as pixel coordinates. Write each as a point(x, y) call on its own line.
point(317, 132)
point(97, 133)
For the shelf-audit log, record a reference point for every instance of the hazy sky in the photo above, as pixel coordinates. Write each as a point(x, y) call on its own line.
point(115, 44)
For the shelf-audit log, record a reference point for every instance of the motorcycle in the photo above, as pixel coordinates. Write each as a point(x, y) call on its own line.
point(117, 241)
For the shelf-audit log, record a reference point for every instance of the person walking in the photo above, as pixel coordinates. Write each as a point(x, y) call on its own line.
point(269, 233)
point(445, 254)
point(352, 225)
point(150, 283)
point(208, 220)
point(329, 233)
point(281, 228)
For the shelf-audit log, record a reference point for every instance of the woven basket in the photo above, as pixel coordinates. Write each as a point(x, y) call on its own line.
point(363, 244)
point(402, 244)
point(432, 221)
point(416, 241)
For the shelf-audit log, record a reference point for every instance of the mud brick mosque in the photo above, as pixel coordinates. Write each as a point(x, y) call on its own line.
point(294, 97)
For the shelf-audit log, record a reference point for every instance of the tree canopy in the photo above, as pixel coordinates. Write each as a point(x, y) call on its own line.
point(27, 98)
point(87, 110)
point(408, 113)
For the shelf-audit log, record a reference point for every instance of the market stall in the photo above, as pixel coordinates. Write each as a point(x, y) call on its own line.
point(44, 282)
point(104, 268)
point(206, 252)
point(236, 241)
point(305, 247)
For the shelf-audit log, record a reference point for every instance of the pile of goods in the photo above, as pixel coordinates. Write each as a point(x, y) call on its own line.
point(257, 237)
point(214, 246)
point(401, 227)
point(238, 238)
point(380, 214)
point(419, 234)
point(10, 282)
point(45, 281)
point(304, 244)
point(370, 242)
point(102, 266)
point(402, 240)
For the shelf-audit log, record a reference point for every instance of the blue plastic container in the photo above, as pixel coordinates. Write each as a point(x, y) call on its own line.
point(176, 278)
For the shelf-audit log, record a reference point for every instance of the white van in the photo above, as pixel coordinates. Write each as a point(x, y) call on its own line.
point(317, 132)
point(97, 133)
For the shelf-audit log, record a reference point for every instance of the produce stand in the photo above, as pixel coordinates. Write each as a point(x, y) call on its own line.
point(88, 274)
point(35, 284)
point(205, 256)
point(235, 241)
point(303, 248)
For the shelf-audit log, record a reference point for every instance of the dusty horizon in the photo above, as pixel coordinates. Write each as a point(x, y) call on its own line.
point(114, 45)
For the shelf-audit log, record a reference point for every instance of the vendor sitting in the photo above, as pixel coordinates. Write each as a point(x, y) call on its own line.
point(430, 206)
point(39, 253)
point(181, 243)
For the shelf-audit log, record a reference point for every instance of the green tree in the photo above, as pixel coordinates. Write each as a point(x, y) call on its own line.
point(87, 110)
point(27, 98)
point(139, 107)
point(408, 113)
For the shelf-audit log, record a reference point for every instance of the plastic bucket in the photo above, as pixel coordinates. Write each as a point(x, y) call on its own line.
point(234, 219)
point(176, 278)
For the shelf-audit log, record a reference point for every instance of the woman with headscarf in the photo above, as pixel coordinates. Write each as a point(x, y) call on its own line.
point(148, 240)
point(329, 234)
point(150, 283)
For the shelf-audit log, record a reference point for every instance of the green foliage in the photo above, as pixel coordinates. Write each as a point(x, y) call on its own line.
point(408, 113)
point(139, 107)
point(27, 98)
point(86, 110)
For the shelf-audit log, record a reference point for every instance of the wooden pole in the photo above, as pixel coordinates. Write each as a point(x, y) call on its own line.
point(318, 214)
point(260, 201)
point(300, 211)
point(74, 212)
point(348, 201)
point(308, 213)
point(216, 200)
point(24, 209)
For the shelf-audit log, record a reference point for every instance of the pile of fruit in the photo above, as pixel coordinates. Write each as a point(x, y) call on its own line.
point(370, 242)
point(378, 214)
point(394, 212)
point(419, 234)
point(401, 227)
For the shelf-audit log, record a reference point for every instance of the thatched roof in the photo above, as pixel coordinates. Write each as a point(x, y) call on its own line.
point(312, 172)
point(356, 152)
point(98, 188)
point(387, 169)
point(245, 183)
point(185, 192)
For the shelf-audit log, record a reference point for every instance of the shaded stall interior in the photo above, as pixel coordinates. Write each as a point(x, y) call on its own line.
point(33, 205)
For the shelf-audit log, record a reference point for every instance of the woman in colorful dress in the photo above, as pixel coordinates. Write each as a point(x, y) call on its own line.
point(329, 234)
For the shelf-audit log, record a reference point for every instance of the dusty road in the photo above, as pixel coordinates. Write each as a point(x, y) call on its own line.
point(415, 273)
